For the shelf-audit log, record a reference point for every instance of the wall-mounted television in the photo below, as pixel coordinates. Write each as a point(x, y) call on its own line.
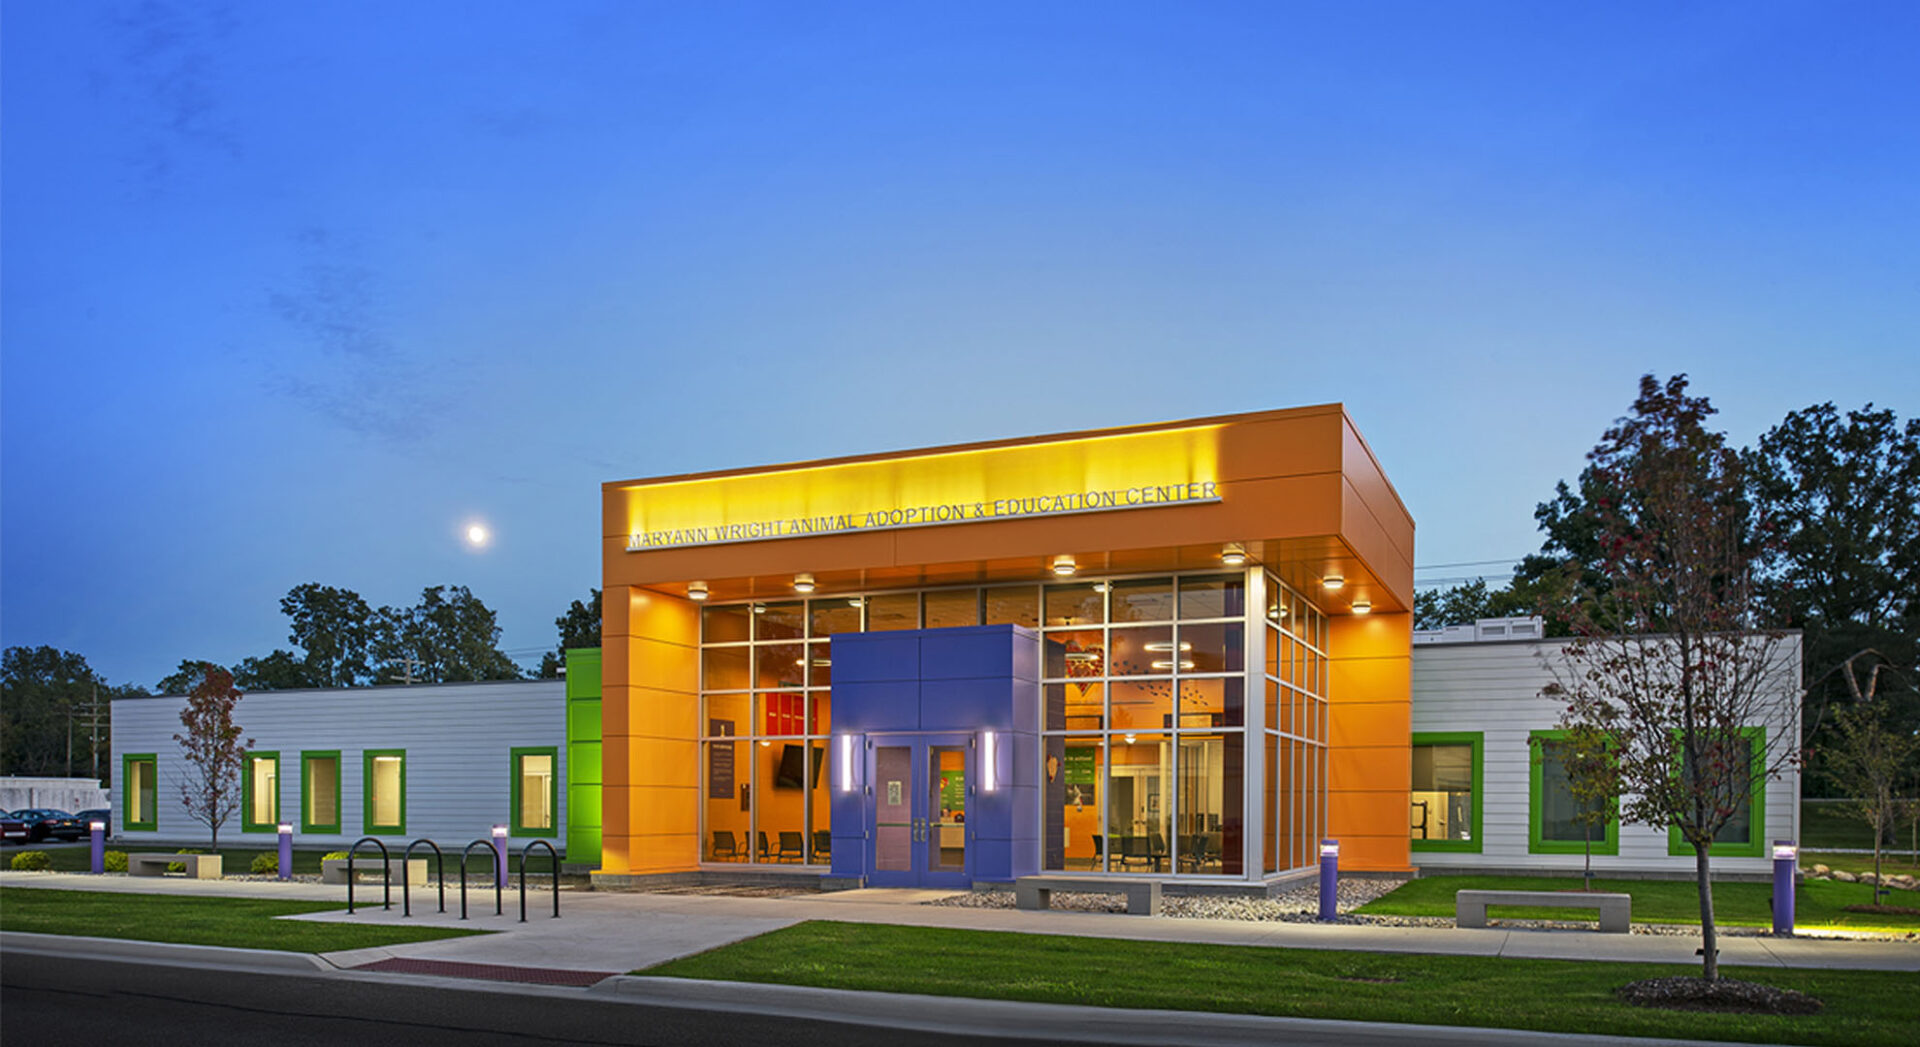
point(792, 759)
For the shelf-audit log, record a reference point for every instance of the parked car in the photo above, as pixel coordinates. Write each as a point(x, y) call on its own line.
point(13, 830)
point(43, 822)
point(95, 814)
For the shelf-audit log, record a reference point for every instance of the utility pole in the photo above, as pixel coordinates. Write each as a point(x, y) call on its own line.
point(408, 666)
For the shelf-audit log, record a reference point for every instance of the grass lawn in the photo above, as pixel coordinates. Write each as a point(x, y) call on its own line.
point(1892, 863)
point(246, 923)
point(1819, 903)
point(1862, 1007)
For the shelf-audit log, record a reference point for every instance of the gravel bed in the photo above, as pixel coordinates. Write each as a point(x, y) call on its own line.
point(1725, 995)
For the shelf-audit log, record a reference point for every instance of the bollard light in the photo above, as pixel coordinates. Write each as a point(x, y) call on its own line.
point(500, 856)
point(1786, 866)
point(98, 830)
point(286, 851)
point(1329, 879)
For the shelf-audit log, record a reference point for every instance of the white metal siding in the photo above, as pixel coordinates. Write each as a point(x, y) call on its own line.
point(457, 738)
point(1494, 688)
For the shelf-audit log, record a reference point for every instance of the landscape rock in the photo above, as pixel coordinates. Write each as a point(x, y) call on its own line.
point(1821, 870)
point(1846, 877)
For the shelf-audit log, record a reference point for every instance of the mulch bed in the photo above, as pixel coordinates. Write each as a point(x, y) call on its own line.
point(1884, 910)
point(1725, 996)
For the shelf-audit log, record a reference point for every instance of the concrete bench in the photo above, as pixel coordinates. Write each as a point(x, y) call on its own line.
point(1036, 892)
point(198, 866)
point(334, 870)
point(1616, 910)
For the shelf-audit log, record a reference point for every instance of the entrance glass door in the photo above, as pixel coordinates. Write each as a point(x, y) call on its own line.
point(921, 785)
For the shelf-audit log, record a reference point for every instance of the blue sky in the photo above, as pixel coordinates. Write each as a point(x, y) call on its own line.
point(291, 293)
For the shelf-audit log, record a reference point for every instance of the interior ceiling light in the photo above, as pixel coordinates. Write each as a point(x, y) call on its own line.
point(1101, 587)
point(1362, 606)
point(696, 590)
point(854, 602)
point(1233, 554)
point(803, 583)
point(1129, 739)
point(1064, 566)
point(1333, 581)
point(759, 608)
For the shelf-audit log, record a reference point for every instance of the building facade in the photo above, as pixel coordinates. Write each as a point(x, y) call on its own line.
point(1179, 650)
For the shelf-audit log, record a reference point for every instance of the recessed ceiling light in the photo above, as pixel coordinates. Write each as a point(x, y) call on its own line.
point(1333, 581)
point(696, 590)
point(1362, 606)
point(1064, 566)
point(803, 583)
point(1233, 554)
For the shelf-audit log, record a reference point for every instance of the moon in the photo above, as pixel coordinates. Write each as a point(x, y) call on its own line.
point(478, 535)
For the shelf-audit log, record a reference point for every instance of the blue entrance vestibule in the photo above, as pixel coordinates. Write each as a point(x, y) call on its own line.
point(939, 733)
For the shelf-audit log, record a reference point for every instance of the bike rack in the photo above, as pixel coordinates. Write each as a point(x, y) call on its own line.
point(406, 878)
point(495, 856)
point(555, 857)
point(386, 872)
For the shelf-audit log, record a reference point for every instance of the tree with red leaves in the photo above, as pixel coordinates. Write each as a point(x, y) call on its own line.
point(1671, 660)
point(214, 750)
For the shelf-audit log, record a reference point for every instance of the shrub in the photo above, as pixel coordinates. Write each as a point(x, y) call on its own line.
point(32, 861)
point(334, 856)
point(114, 861)
point(266, 862)
point(180, 867)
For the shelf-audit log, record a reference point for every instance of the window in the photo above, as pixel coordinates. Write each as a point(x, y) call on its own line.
point(1555, 823)
point(1445, 814)
point(138, 777)
point(320, 792)
point(260, 792)
point(533, 778)
point(1744, 834)
point(384, 791)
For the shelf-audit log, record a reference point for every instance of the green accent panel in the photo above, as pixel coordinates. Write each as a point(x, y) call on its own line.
point(369, 826)
point(583, 824)
point(1478, 829)
point(1756, 844)
point(126, 792)
point(583, 764)
point(583, 720)
point(247, 824)
point(583, 673)
point(307, 824)
point(514, 756)
point(1609, 842)
point(583, 844)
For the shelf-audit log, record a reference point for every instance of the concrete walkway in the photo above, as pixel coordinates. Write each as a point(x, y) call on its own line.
point(619, 932)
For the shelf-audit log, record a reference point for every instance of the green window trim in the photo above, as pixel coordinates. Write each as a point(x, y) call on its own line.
point(514, 756)
point(127, 821)
point(1477, 740)
point(368, 825)
point(247, 824)
point(1609, 840)
point(1756, 845)
point(307, 824)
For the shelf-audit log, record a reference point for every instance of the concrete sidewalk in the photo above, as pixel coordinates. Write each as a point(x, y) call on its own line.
point(614, 933)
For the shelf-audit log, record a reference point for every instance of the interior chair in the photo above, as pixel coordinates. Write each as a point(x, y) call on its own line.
point(1099, 850)
point(791, 847)
point(822, 845)
point(766, 849)
point(724, 849)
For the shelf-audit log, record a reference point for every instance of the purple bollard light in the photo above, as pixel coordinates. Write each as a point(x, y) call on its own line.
point(500, 856)
point(99, 830)
point(286, 852)
point(1786, 861)
point(1329, 879)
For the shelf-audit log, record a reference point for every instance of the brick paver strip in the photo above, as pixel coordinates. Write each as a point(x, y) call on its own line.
point(492, 972)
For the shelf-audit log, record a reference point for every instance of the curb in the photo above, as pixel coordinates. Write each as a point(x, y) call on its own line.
point(171, 953)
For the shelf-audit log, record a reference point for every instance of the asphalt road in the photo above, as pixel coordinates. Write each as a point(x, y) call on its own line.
point(50, 999)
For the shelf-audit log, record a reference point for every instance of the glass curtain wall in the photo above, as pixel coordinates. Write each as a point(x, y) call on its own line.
point(1296, 728)
point(1144, 695)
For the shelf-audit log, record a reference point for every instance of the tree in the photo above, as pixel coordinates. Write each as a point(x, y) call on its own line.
point(183, 679)
point(1668, 660)
point(579, 627)
point(279, 671)
point(47, 707)
point(213, 750)
point(1470, 601)
point(1594, 780)
point(449, 636)
point(1867, 757)
point(1844, 492)
point(336, 629)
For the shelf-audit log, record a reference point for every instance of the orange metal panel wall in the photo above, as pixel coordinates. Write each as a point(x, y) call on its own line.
point(1370, 738)
point(650, 708)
